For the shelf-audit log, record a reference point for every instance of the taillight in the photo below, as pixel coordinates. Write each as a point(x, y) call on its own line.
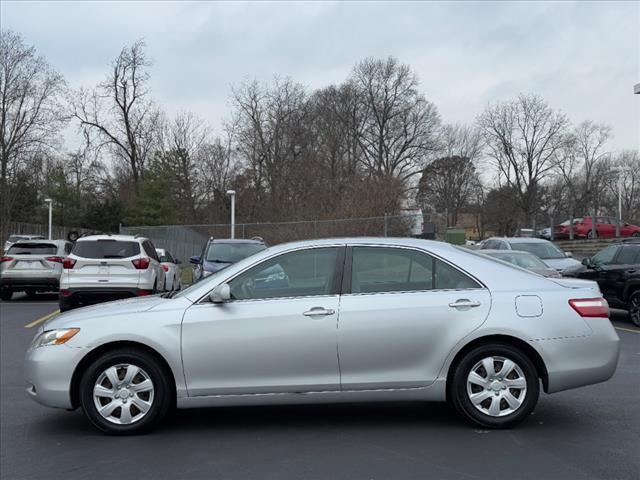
point(590, 307)
point(54, 259)
point(65, 293)
point(165, 267)
point(142, 293)
point(5, 259)
point(68, 262)
point(141, 263)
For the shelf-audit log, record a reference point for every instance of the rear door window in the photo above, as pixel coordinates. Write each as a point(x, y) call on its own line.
point(106, 249)
point(33, 249)
point(628, 255)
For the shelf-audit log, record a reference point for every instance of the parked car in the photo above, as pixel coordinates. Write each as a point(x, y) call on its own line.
point(418, 321)
point(524, 260)
point(545, 233)
point(616, 268)
point(171, 267)
point(221, 252)
point(16, 238)
point(551, 255)
point(605, 228)
point(109, 267)
point(525, 232)
point(32, 266)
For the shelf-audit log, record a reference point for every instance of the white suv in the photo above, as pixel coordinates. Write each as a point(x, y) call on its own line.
point(109, 267)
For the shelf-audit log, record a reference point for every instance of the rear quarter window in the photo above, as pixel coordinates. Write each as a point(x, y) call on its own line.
point(106, 249)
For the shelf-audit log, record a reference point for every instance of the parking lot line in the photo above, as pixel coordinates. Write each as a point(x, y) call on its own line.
point(42, 319)
point(627, 329)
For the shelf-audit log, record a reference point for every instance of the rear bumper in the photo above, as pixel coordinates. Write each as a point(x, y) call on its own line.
point(583, 360)
point(89, 296)
point(39, 283)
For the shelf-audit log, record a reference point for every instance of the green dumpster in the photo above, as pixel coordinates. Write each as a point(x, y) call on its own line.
point(457, 236)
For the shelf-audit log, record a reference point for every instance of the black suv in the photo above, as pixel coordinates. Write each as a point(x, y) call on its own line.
point(616, 268)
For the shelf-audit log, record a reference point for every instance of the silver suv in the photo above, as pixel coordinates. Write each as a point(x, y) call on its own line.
point(109, 267)
point(32, 266)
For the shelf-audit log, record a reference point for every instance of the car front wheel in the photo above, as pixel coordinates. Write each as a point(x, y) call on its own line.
point(495, 386)
point(634, 308)
point(125, 392)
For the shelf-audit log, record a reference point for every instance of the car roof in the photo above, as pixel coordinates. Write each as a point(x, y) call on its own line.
point(521, 239)
point(504, 252)
point(122, 238)
point(236, 240)
point(434, 245)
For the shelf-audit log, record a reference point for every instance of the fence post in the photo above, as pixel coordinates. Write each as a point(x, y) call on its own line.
point(385, 225)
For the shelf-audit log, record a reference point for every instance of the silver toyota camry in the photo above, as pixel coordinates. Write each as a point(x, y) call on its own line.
point(336, 320)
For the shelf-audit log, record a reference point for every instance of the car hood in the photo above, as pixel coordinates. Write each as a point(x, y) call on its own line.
point(561, 263)
point(121, 307)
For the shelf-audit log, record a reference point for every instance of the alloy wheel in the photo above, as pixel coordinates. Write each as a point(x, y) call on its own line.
point(496, 386)
point(634, 308)
point(123, 394)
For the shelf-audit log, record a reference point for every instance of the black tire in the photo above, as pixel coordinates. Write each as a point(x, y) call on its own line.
point(590, 234)
point(633, 305)
point(162, 390)
point(65, 305)
point(636, 234)
point(459, 396)
point(6, 294)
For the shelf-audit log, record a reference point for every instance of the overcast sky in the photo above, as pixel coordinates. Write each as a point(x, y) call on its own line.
point(584, 58)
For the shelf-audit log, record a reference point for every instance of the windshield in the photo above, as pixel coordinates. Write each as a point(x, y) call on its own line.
point(523, 260)
point(575, 220)
point(232, 252)
point(33, 249)
point(542, 250)
point(106, 249)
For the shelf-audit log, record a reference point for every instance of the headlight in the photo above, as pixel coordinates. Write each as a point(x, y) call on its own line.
point(54, 337)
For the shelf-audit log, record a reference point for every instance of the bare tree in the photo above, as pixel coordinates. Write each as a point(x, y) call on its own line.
point(523, 137)
point(398, 125)
point(119, 111)
point(31, 114)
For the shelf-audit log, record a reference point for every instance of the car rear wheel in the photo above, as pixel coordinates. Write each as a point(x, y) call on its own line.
point(634, 307)
point(590, 234)
point(495, 386)
point(125, 392)
point(636, 234)
point(6, 294)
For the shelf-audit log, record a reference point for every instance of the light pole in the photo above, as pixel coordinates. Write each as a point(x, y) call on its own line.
point(232, 194)
point(50, 202)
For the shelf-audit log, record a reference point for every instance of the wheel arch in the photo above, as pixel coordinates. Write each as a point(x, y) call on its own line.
point(518, 343)
point(74, 387)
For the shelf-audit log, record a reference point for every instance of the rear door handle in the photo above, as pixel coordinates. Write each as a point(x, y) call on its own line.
point(464, 303)
point(319, 311)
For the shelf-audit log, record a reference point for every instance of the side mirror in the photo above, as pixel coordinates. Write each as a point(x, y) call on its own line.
point(178, 262)
point(220, 294)
point(586, 261)
point(195, 259)
point(568, 254)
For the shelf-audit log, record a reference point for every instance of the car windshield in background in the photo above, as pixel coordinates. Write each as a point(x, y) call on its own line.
point(232, 252)
point(165, 259)
point(520, 259)
point(106, 249)
point(540, 250)
point(33, 249)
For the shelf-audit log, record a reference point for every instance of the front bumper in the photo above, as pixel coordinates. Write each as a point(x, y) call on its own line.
point(23, 282)
point(48, 372)
point(583, 360)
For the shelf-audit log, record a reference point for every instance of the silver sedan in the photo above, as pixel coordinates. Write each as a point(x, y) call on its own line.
point(342, 320)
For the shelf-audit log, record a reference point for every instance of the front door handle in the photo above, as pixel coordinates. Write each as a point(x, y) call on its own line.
point(464, 303)
point(319, 311)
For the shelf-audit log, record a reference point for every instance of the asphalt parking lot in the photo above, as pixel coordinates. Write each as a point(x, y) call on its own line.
point(588, 433)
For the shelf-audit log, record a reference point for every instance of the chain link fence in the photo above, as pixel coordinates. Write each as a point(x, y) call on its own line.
point(183, 241)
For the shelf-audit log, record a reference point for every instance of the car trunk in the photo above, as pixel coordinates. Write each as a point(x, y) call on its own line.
point(105, 263)
point(30, 260)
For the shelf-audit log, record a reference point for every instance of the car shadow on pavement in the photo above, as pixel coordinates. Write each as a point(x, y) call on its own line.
point(385, 416)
